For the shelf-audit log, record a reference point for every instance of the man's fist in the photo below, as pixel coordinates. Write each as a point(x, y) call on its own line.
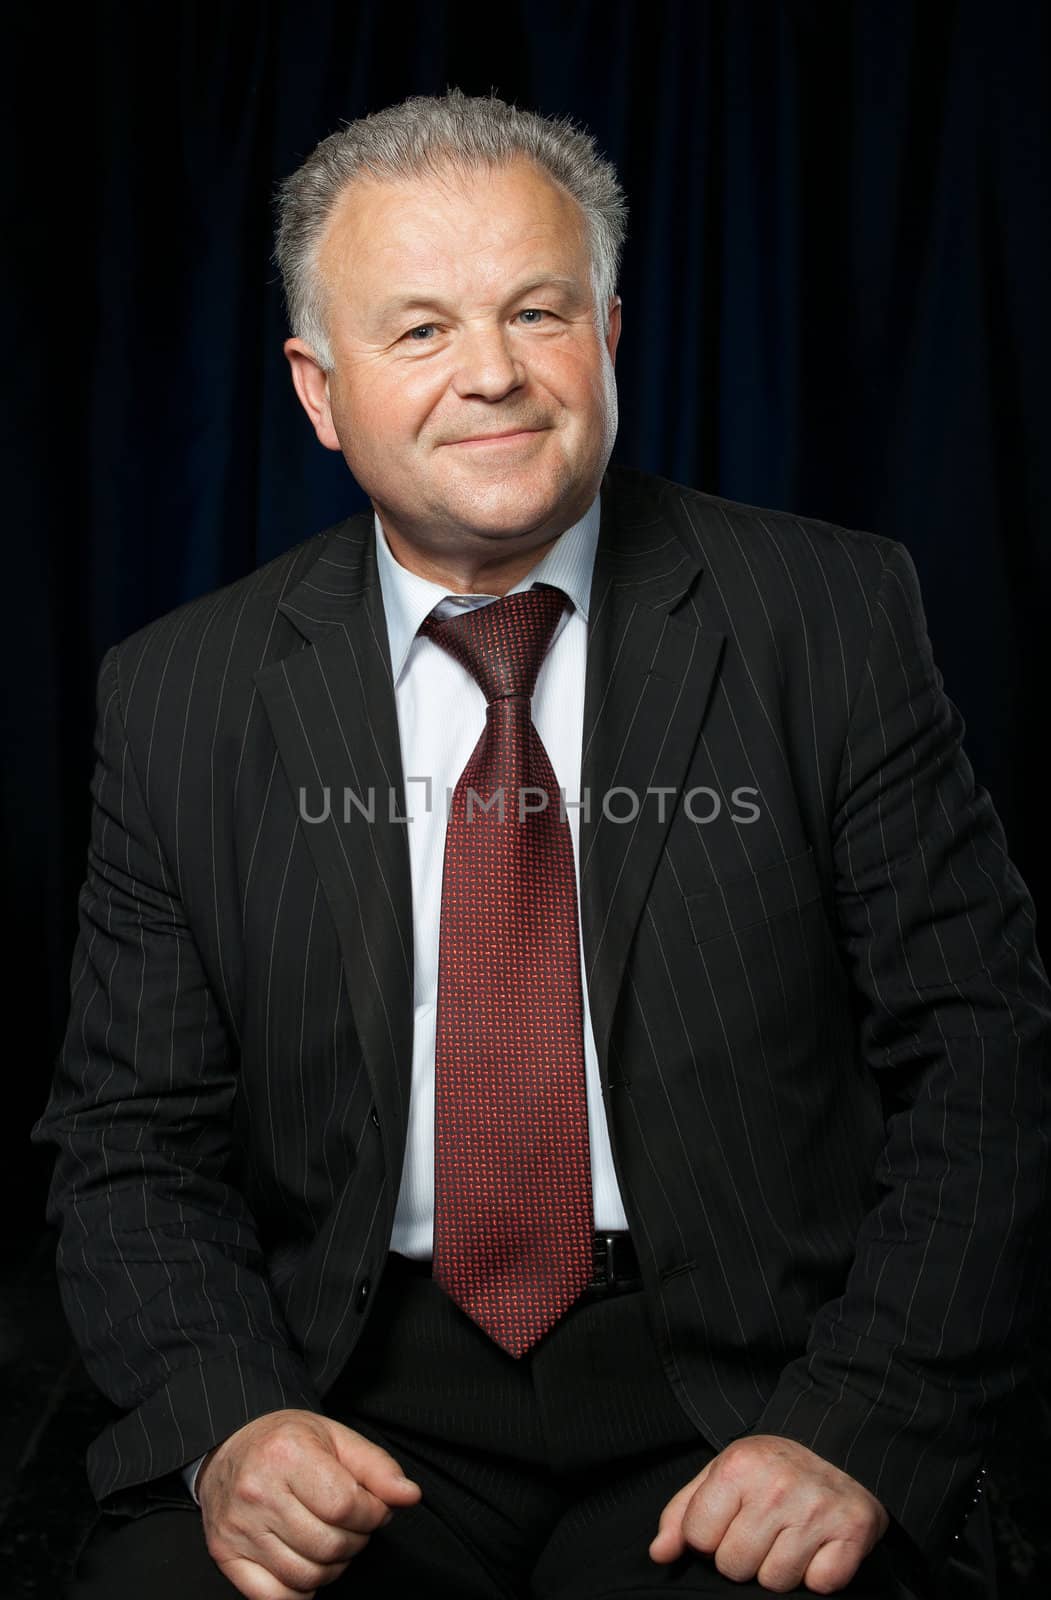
point(771, 1509)
point(291, 1497)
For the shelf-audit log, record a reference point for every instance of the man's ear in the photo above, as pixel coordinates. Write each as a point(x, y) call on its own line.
point(311, 385)
point(613, 336)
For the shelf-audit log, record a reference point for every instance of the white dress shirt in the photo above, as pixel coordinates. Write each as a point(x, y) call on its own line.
point(441, 715)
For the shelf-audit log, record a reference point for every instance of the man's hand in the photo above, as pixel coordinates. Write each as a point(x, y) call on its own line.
point(771, 1509)
point(290, 1498)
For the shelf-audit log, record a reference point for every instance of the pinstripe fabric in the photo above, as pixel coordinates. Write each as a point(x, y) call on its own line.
point(821, 1020)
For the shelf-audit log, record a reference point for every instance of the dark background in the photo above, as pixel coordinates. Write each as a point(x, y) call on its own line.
point(835, 294)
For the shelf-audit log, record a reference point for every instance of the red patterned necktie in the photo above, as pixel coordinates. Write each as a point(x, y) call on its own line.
point(513, 1219)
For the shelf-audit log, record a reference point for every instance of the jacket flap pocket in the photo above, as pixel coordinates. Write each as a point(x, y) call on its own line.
point(749, 898)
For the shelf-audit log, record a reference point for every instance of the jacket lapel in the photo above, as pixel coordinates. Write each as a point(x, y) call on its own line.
point(332, 709)
point(649, 675)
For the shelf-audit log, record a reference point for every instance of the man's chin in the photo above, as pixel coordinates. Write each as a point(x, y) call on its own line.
point(504, 512)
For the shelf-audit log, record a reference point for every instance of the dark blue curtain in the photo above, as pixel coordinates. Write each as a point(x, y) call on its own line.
point(835, 301)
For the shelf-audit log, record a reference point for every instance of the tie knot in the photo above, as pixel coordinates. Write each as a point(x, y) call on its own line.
point(502, 644)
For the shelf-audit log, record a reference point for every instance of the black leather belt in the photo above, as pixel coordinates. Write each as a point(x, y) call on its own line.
point(615, 1265)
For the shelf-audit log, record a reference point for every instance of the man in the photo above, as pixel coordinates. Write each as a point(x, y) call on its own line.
point(555, 1095)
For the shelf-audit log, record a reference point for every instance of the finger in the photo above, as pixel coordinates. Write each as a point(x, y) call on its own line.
point(834, 1565)
point(273, 1528)
point(668, 1544)
point(301, 1572)
point(255, 1583)
point(271, 1564)
point(328, 1489)
point(744, 1545)
point(296, 1536)
point(711, 1512)
point(788, 1558)
point(671, 1540)
point(768, 1512)
point(373, 1467)
point(315, 1514)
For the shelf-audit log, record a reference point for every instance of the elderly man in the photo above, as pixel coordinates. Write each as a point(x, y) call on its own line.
point(555, 1096)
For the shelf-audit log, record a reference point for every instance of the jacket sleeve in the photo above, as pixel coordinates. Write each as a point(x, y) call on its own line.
point(160, 1270)
point(905, 1372)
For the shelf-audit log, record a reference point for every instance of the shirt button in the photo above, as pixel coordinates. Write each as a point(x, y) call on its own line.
point(375, 1117)
point(363, 1294)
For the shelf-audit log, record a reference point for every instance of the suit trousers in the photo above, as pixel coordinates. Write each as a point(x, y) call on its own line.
point(542, 1477)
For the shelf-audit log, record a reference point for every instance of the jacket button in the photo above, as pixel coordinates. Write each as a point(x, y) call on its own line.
point(375, 1117)
point(363, 1294)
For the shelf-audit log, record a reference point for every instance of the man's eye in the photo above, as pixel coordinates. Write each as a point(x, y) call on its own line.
point(421, 334)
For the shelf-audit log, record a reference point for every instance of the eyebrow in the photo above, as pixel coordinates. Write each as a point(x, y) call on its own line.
point(400, 304)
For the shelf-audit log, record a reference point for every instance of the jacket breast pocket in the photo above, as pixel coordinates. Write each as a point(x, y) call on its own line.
point(761, 984)
point(751, 899)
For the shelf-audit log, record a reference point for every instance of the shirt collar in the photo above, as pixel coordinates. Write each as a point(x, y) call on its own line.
point(408, 598)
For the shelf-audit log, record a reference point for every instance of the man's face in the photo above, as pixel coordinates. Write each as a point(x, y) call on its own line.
point(461, 307)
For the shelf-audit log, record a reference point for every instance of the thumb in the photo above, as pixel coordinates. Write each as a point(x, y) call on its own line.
point(373, 1467)
point(670, 1541)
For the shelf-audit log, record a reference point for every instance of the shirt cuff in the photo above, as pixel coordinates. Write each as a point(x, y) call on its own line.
point(189, 1475)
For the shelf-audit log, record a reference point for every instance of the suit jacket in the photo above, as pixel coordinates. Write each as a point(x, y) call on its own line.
point(821, 1020)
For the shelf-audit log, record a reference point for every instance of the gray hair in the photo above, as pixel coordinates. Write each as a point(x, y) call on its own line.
point(425, 133)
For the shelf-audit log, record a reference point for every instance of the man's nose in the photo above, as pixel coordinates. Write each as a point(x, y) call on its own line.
point(486, 364)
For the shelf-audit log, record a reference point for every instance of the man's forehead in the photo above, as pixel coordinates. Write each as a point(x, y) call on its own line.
point(406, 200)
point(386, 225)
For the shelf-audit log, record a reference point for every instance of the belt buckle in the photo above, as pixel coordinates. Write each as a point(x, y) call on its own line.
point(603, 1253)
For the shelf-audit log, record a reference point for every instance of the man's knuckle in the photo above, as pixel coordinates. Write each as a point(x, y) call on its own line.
point(825, 1584)
point(733, 1464)
point(300, 1575)
point(857, 1525)
point(329, 1545)
point(330, 1497)
point(831, 1570)
point(811, 1505)
point(351, 1507)
point(252, 1487)
point(733, 1564)
point(282, 1449)
point(341, 1512)
point(781, 1579)
point(217, 1546)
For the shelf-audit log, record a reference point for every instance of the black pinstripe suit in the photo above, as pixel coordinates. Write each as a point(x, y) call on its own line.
point(821, 1019)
